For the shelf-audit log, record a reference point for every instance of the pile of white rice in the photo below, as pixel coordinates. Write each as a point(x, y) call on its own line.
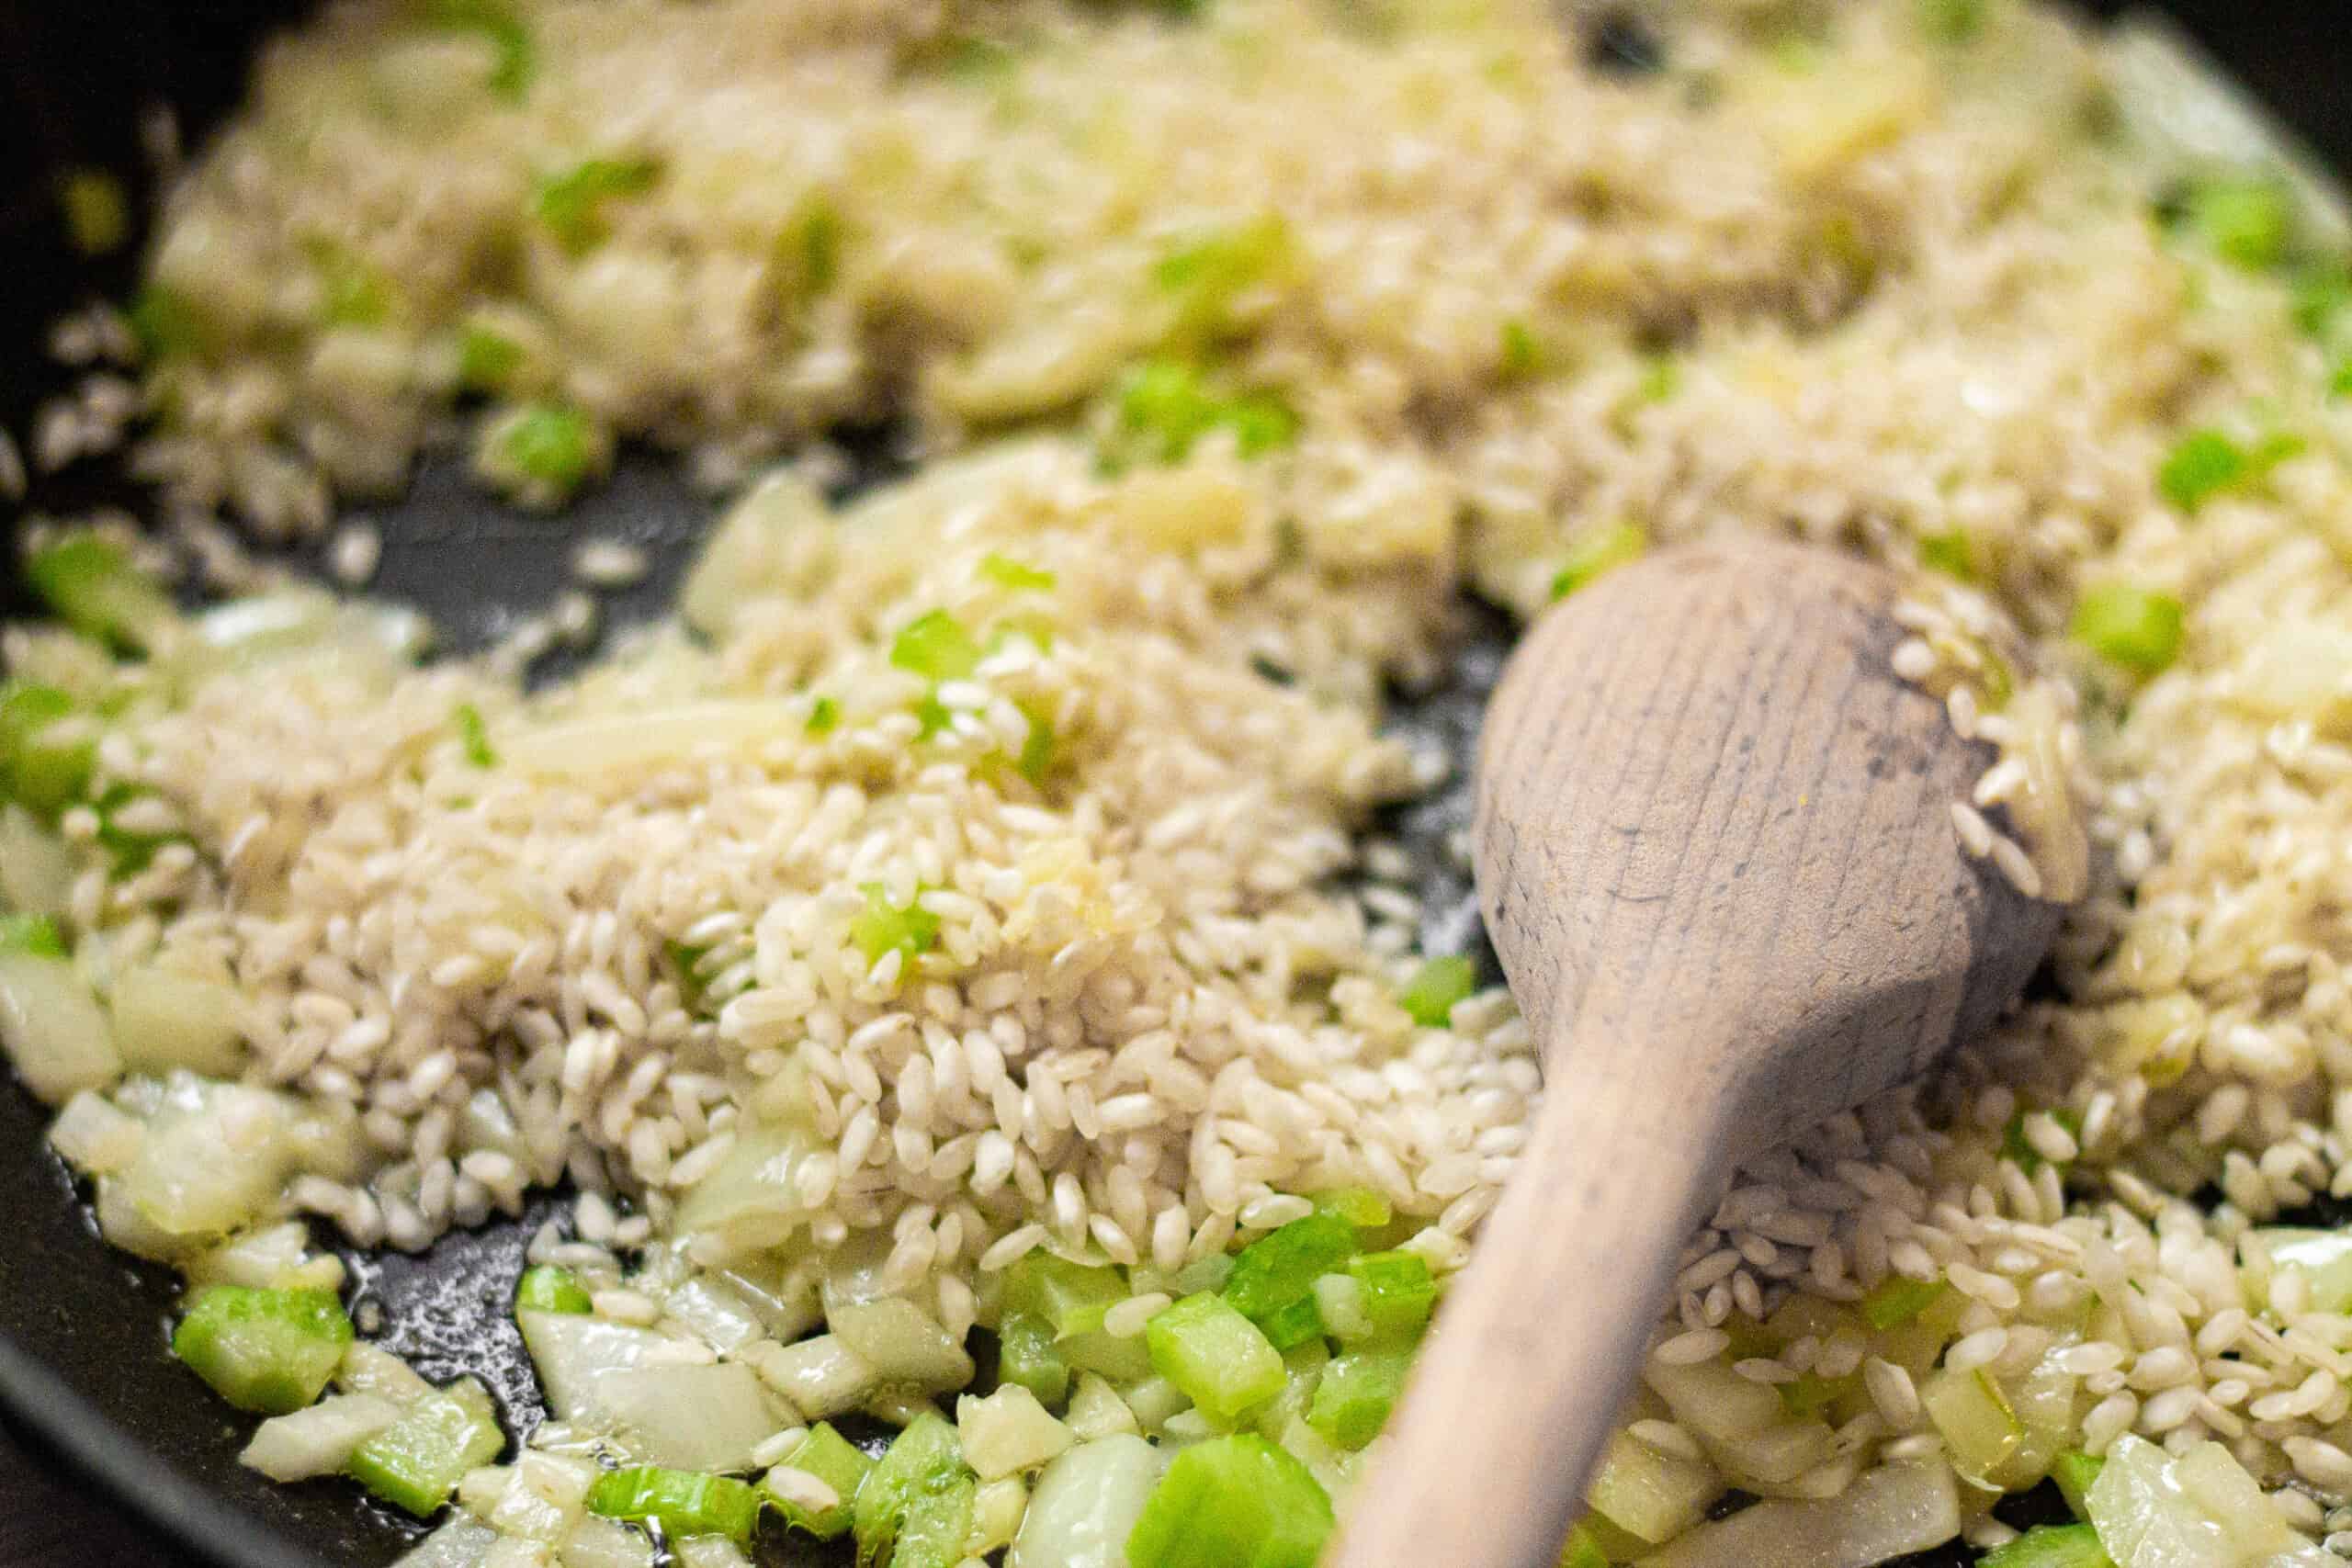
point(1883, 276)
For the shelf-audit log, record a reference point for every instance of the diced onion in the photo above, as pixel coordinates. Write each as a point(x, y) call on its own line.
point(572, 1352)
point(93, 1136)
point(903, 1343)
point(709, 1418)
point(1086, 1506)
point(165, 1018)
point(1887, 1513)
point(52, 1028)
point(318, 1440)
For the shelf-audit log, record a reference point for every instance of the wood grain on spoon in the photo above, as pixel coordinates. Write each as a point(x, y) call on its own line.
point(1717, 856)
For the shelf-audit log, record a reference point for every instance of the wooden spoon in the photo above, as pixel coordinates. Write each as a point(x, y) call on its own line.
point(1716, 855)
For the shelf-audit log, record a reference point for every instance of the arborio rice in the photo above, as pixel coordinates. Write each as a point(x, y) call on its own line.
point(958, 887)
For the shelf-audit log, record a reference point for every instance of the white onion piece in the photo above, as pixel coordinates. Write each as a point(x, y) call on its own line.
point(318, 1440)
point(52, 1028)
point(904, 1344)
point(461, 1543)
point(35, 867)
point(572, 1351)
point(689, 1417)
point(1086, 1506)
point(163, 1018)
point(1888, 1512)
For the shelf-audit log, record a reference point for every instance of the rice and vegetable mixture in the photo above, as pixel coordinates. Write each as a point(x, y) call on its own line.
point(969, 911)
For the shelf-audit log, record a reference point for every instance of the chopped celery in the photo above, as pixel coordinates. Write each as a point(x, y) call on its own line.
point(96, 210)
point(1006, 573)
point(1973, 1415)
point(128, 851)
point(2339, 384)
point(1026, 1356)
point(1952, 21)
point(1069, 1298)
point(1237, 1502)
point(824, 715)
point(487, 359)
point(1360, 1206)
point(1597, 553)
point(1167, 405)
point(905, 1493)
point(474, 736)
point(2127, 625)
point(1355, 1393)
point(883, 928)
point(2249, 223)
point(1811, 1393)
point(2206, 462)
point(34, 934)
point(1037, 758)
point(549, 1289)
point(1896, 1301)
point(1286, 1328)
point(572, 202)
point(43, 774)
point(1649, 1493)
point(683, 1502)
point(2074, 1472)
point(1951, 553)
point(546, 444)
point(2051, 1546)
point(267, 1351)
point(932, 716)
point(833, 1460)
point(1276, 1272)
point(94, 587)
point(1208, 274)
point(1661, 379)
point(415, 1463)
point(692, 981)
point(165, 324)
point(936, 647)
point(1440, 983)
point(510, 78)
point(1397, 1292)
point(1217, 1356)
point(1261, 423)
point(1582, 1551)
point(352, 293)
point(1521, 355)
point(813, 245)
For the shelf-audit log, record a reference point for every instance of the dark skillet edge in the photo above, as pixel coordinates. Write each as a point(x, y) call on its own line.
point(115, 1459)
point(75, 77)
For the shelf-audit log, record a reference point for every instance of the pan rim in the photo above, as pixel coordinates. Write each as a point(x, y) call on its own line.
point(134, 1473)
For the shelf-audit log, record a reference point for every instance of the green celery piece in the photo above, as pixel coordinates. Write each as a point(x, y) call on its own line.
point(2051, 1546)
point(92, 585)
point(352, 293)
point(2130, 625)
point(1597, 553)
point(936, 647)
point(1811, 1393)
point(1275, 1271)
point(1237, 1502)
point(1164, 400)
point(1037, 758)
point(692, 982)
point(1521, 354)
point(267, 1351)
point(924, 1460)
point(1360, 1206)
point(824, 715)
point(812, 246)
point(1440, 983)
point(474, 736)
point(487, 359)
point(1356, 1393)
point(883, 927)
point(1219, 1359)
point(683, 1502)
point(549, 1289)
point(1069, 1298)
point(43, 775)
point(1007, 572)
point(31, 936)
point(1661, 379)
point(1952, 21)
point(2203, 462)
point(937, 1525)
point(2339, 385)
point(1951, 553)
point(165, 324)
point(2249, 223)
point(932, 715)
point(840, 1464)
point(415, 1463)
point(511, 77)
point(1025, 1355)
point(549, 444)
point(571, 201)
point(1582, 1551)
point(1896, 1301)
point(1260, 423)
point(2074, 1470)
point(1286, 1328)
point(1207, 275)
point(1398, 1293)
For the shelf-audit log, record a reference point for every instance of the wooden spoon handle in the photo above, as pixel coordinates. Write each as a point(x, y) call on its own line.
point(1539, 1342)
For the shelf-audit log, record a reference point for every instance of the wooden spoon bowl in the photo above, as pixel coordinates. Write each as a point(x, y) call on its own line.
point(1716, 855)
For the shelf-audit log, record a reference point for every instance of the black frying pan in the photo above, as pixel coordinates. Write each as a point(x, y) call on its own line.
point(83, 1359)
